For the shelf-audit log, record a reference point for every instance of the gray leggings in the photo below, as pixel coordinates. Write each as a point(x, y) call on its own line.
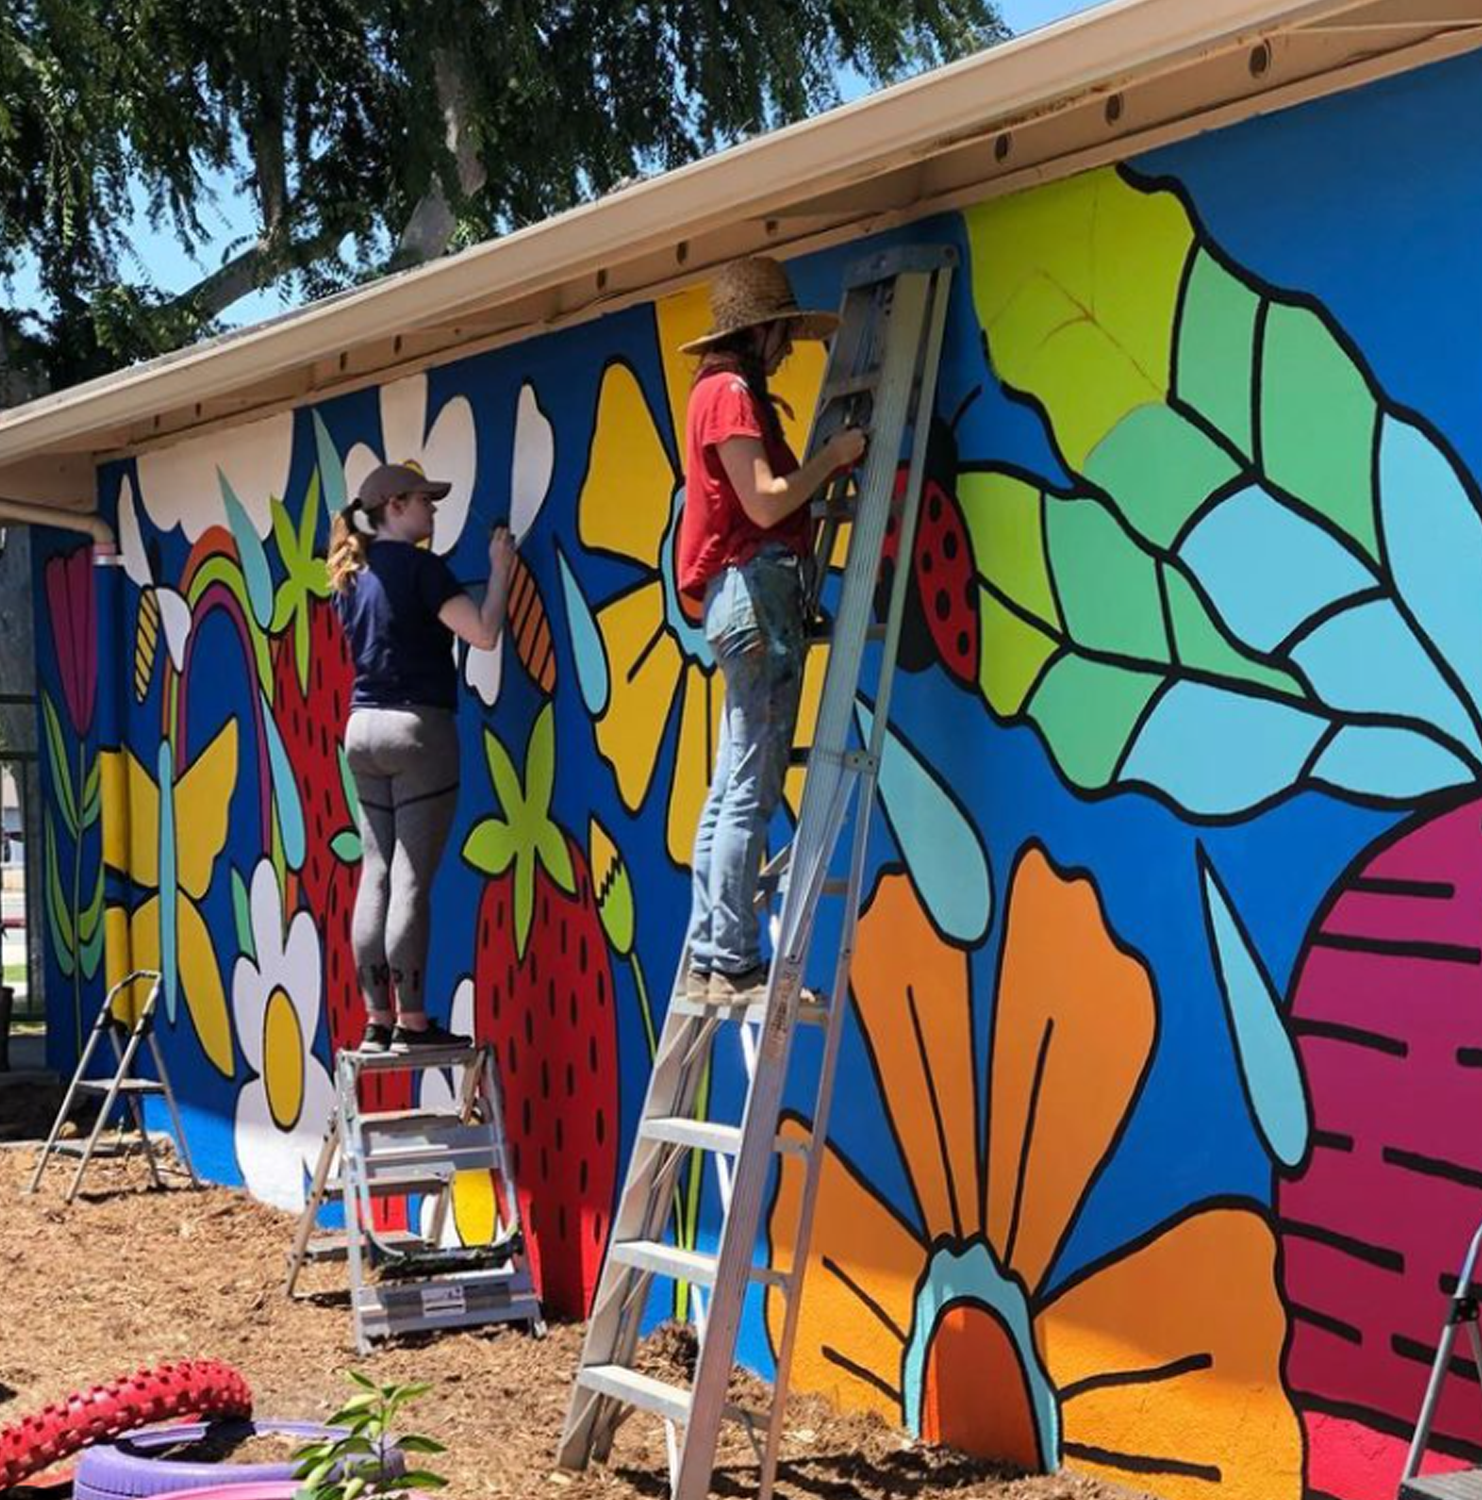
point(405, 764)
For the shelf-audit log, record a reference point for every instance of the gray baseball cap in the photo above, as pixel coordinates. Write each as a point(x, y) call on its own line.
point(391, 480)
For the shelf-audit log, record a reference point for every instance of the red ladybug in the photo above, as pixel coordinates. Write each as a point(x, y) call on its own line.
point(941, 614)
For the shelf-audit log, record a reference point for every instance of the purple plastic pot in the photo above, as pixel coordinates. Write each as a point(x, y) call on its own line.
point(129, 1468)
point(279, 1489)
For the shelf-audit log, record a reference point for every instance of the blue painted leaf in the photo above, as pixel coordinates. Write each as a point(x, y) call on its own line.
point(285, 793)
point(1216, 751)
point(1263, 1047)
point(1389, 762)
point(251, 555)
point(586, 644)
point(1268, 570)
point(944, 856)
point(1433, 541)
point(331, 467)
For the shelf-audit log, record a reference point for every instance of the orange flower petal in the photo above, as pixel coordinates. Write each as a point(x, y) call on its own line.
point(1168, 1364)
point(911, 993)
point(860, 1287)
point(1072, 1035)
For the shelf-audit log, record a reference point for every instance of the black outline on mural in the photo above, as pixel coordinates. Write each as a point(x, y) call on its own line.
point(1385, 408)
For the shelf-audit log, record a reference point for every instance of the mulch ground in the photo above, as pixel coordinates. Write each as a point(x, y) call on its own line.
point(128, 1277)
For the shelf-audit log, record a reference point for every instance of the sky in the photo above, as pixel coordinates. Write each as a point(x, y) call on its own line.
point(231, 218)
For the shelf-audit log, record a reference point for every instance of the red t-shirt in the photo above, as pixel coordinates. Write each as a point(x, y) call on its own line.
point(715, 531)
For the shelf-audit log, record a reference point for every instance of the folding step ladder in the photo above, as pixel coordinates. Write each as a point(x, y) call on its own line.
point(1464, 1312)
point(881, 376)
point(416, 1154)
point(124, 1088)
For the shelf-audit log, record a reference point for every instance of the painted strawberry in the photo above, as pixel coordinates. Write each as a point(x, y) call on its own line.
point(1387, 1013)
point(544, 997)
point(941, 616)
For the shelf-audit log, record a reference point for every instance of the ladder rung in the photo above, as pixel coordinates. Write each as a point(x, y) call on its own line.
point(836, 887)
point(389, 1119)
point(325, 1247)
point(850, 385)
point(808, 1015)
point(125, 1086)
point(671, 1402)
point(701, 1135)
point(660, 1259)
point(389, 1184)
point(413, 1061)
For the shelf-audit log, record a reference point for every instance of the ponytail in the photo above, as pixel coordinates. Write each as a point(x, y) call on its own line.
point(348, 545)
point(741, 353)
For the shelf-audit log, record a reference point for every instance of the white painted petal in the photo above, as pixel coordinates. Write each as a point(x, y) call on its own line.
point(249, 1007)
point(483, 671)
point(534, 462)
point(175, 613)
point(130, 541)
point(271, 1161)
point(303, 973)
point(267, 920)
point(178, 486)
point(451, 453)
point(461, 1018)
point(313, 1120)
point(404, 419)
point(358, 464)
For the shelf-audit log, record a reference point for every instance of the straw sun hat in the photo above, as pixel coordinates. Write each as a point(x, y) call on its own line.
point(749, 293)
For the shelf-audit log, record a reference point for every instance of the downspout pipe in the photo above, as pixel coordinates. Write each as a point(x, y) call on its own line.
point(22, 513)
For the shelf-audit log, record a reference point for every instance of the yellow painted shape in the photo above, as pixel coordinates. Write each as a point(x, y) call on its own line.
point(1005, 521)
point(815, 665)
point(1076, 286)
point(1206, 1288)
point(1073, 1029)
point(131, 817)
point(699, 734)
point(643, 661)
point(629, 486)
point(116, 958)
point(1014, 655)
point(200, 981)
point(203, 796)
point(911, 995)
point(283, 1060)
point(858, 1319)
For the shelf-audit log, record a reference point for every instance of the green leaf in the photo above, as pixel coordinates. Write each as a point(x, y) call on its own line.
point(355, 1375)
point(64, 944)
point(415, 1443)
point(540, 763)
point(504, 776)
point(242, 915)
point(422, 1479)
point(61, 773)
point(355, 1487)
point(346, 847)
point(555, 855)
point(302, 642)
point(491, 846)
point(308, 521)
point(283, 533)
point(92, 794)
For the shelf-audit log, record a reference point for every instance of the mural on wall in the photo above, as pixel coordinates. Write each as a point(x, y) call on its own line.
point(1151, 1152)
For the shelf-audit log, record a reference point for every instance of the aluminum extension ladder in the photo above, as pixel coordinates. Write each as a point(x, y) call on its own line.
point(881, 376)
point(416, 1154)
point(124, 1087)
point(1464, 1312)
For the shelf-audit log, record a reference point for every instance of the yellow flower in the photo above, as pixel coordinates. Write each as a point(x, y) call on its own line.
point(165, 834)
point(1159, 1364)
point(657, 660)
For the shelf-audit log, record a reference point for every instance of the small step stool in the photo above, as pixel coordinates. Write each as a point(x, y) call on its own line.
point(1464, 1312)
point(421, 1283)
point(123, 1088)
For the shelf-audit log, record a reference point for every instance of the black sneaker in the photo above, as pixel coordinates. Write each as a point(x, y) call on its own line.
point(377, 1038)
point(403, 1039)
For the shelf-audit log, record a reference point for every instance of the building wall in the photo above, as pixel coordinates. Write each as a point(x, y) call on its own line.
point(1153, 1142)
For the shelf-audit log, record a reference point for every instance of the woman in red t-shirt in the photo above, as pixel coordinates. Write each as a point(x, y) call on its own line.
point(743, 542)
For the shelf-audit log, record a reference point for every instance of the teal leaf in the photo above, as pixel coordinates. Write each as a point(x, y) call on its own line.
point(944, 855)
point(346, 847)
point(331, 467)
point(1433, 543)
point(1267, 570)
point(250, 555)
point(285, 793)
point(242, 917)
point(1269, 1070)
point(1217, 752)
point(586, 644)
point(347, 783)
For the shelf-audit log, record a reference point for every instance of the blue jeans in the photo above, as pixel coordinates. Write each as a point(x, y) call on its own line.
point(754, 623)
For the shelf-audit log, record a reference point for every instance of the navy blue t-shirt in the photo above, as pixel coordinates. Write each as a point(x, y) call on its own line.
point(403, 654)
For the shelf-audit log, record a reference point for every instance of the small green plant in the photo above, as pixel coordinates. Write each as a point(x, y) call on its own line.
point(355, 1465)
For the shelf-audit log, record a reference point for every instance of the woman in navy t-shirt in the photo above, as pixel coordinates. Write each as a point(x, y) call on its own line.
point(401, 607)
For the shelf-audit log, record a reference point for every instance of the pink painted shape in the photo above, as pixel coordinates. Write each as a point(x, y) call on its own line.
point(1355, 1462)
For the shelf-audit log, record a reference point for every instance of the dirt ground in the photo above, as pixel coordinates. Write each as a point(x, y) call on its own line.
point(126, 1278)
